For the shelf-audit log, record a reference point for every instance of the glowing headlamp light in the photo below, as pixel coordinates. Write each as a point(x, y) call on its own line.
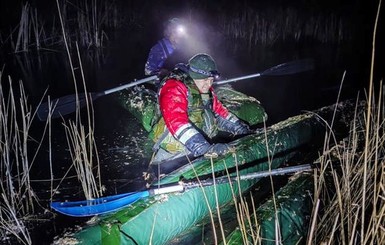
point(180, 30)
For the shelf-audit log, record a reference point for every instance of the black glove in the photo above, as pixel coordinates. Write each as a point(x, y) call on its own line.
point(233, 125)
point(197, 145)
point(219, 149)
point(241, 128)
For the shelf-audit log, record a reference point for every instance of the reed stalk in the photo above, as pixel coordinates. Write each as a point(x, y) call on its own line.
point(360, 181)
point(93, 17)
point(211, 212)
point(247, 219)
point(240, 209)
point(17, 198)
point(88, 22)
point(23, 35)
point(48, 125)
point(36, 28)
point(30, 30)
point(11, 224)
point(80, 138)
point(82, 161)
point(248, 27)
point(217, 202)
point(358, 198)
point(15, 162)
point(91, 125)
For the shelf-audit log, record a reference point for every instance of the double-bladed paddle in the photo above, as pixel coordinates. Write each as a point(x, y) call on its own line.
point(287, 68)
point(113, 203)
point(67, 104)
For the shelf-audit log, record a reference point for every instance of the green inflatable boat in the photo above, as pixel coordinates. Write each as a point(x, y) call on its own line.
point(159, 219)
point(292, 208)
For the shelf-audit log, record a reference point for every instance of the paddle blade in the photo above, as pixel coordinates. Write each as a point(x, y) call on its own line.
point(64, 105)
point(289, 68)
point(98, 206)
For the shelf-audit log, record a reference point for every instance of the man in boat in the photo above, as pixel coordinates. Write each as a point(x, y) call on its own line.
point(164, 48)
point(191, 113)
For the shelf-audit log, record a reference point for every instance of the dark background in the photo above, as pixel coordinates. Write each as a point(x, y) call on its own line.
point(244, 37)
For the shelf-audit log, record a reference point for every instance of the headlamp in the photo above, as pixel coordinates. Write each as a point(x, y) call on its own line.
point(180, 30)
point(215, 74)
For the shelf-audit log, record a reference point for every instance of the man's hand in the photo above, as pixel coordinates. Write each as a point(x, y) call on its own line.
point(241, 128)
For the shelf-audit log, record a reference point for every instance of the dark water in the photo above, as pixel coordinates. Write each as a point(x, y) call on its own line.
point(123, 145)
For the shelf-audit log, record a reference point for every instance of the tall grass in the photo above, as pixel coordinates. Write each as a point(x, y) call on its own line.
point(91, 17)
point(23, 35)
point(353, 209)
point(80, 138)
point(83, 150)
point(250, 27)
point(17, 196)
point(355, 213)
point(90, 22)
point(352, 195)
point(31, 31)
point(16, 192)
point(87, 23)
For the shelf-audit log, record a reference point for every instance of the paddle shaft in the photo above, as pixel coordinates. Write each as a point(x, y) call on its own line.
point(132, 84)
point(68, 104)
point(190, 184)
point(249, 176)
point(237, 79)
point(113, 203)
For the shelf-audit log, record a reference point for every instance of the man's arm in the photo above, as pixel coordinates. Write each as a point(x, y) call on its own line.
point(155, 60)
point(173, 101)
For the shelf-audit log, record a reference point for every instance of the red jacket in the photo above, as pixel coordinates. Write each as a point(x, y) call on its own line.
point(173, 99)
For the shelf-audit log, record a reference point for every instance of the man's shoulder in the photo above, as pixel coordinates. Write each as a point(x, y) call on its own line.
point(173, 81)
point(165, 41)
point(173, 84)
point(157, 46)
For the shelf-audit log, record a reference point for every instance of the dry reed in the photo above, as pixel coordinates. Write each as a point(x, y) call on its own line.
point(80, 138)
point(88, 22)
point(248, 27)
point(358, 198)
point(17, 196)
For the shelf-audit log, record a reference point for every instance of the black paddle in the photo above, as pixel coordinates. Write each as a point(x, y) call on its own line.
point(67, 104)
point(287, 68)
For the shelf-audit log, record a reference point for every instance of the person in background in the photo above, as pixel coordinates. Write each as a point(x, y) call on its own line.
point(191, 113)
point(164, 48)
